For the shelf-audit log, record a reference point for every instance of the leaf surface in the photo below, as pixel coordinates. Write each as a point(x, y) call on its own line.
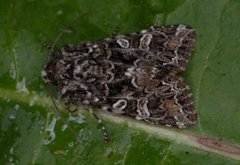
point(32, 132)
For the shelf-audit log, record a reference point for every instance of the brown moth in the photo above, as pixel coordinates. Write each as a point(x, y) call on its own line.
point(135, 75)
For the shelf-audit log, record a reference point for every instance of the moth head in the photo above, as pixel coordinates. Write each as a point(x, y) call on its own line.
point(49, 72)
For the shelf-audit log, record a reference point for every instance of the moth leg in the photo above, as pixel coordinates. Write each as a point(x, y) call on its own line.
point(100, 122)
point(62, 118)
point(69, 109)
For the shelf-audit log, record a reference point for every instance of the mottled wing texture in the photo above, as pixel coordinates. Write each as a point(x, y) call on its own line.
point(134, 75)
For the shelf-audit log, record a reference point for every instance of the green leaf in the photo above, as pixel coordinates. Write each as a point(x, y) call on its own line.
point(32, 132)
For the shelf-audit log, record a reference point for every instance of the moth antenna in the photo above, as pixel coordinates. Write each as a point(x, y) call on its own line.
point(62, 31)
point(51, 47)
point(62, 118)
point(157, 23)
point(100, 122)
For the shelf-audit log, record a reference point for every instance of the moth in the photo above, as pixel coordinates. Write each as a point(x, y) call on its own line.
point(134, 75)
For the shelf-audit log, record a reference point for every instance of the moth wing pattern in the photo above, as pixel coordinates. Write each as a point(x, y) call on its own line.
point(168, 47)
point(134, 75)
